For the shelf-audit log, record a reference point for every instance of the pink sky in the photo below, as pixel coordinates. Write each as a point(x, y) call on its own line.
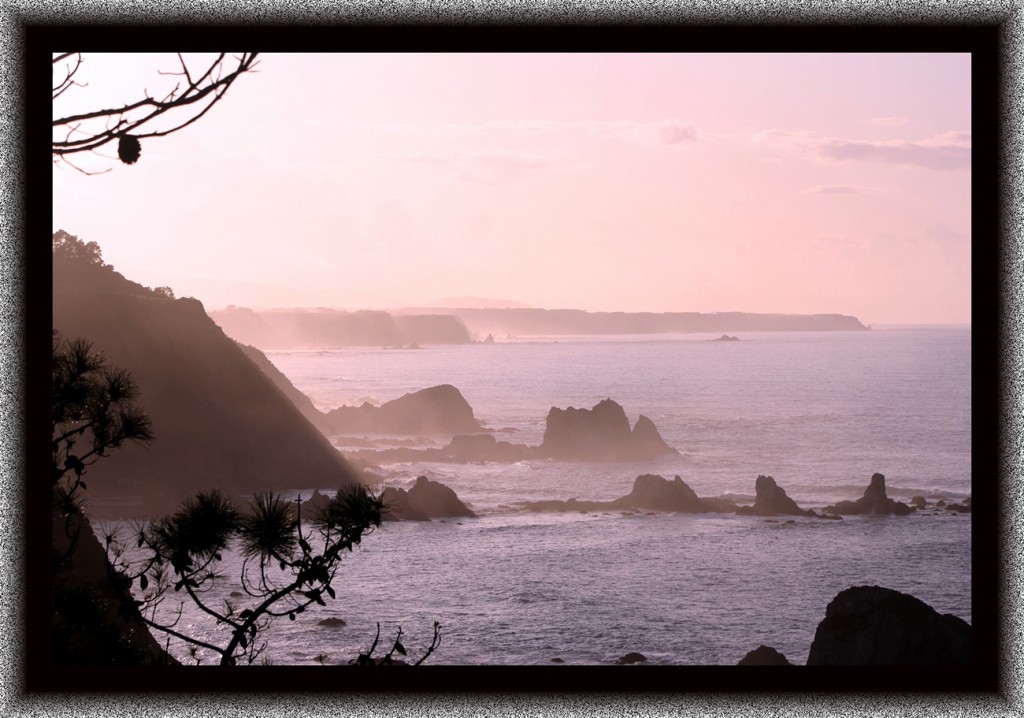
point(654, 182)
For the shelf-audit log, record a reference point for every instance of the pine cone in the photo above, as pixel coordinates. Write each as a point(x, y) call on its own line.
point(129, 149)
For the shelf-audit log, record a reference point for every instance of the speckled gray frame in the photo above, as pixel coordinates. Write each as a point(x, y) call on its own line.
point(15, 13)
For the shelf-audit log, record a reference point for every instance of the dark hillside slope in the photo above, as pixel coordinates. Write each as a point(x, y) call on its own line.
point(284, 384)
point(218, 420)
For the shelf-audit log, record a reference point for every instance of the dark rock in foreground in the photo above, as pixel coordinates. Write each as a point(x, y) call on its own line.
point(436, 410)
point(771, 500)
point(600, 434)
point(874, 501)
point(764, 656)
point(871, 625)
point(95, 619)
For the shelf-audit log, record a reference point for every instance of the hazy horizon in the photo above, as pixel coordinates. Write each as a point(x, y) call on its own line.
point(782, 183)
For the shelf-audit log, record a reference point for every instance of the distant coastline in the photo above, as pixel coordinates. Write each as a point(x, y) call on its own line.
point(332, 328)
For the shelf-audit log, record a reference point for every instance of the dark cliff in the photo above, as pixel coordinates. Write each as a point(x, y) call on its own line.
point(218, 420)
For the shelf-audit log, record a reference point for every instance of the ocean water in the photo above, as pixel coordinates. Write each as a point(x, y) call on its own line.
point(820, 412)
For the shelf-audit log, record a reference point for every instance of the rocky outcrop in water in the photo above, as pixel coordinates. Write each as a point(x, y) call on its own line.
point(655, 493)
point(874, 501)
point(398, 507)
point(650, 493)
point(424, 501)
point(437, 500)
point(771, 500)
point(764, 656)
point(875, 626)
point(484, 447)
point(436, 410)
point(600, 434)
point(630, 659)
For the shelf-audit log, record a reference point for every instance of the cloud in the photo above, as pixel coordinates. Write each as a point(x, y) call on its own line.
point(943, 234)
point(675, 132)
point(946, 151)
point(484, 167)
point(671, 131)
point(887, 121)
point(838, 189)
point(928, 154)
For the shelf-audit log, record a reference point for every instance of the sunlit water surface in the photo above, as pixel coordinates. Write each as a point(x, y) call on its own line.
point(820, 412)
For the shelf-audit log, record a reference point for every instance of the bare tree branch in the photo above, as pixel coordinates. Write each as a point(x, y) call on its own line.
point(195, 96)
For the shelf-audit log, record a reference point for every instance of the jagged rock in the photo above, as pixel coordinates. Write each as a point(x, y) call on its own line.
point(424, 501)
point(918, 502)
point(771, 500)
point(964, 508)
point(764, 656)
point(397, 506)
point(646, 441)
point(313, 505)
point(654, 492)
point(874, 501)
point(871, 625)
point(436, 410)
point(600, 434)
point(631, 658)
point(650, 493)
point(436, 500)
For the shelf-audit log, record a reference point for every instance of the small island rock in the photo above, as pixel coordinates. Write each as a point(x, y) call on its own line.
point(771, 500)
point(424, 501)
point(631, 658)
point(435, 410)
point(600, 434)
point(874, 501)
point(764, 656)
point(658, 494)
